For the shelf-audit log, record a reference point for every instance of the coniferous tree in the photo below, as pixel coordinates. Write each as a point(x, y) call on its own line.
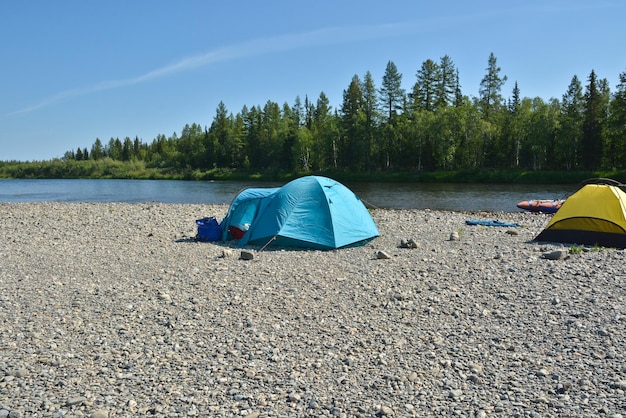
point(391, 92)
point(491, 103)
point(592, 127)
point(616, 130)
point(308, 112)
point(114, 149)
point(427, 93)
point(371, 117)
point(490, 99)
point(325, 134)
point(605, 100)
point(288, 132)
point(392, 101)
point(97, 150)
point(569, 135)
point(458, 94)
point(298, 111)
point(513, 131)
point(236, 144)
point(219, 133)
point(270, 139)
point(352, 150)
point(136, 148)
point(446, 87)
point(515, 101)
point(69, 155)
point(127, 149)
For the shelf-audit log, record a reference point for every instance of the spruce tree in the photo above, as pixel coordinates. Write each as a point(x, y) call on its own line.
point(352, 147)
point(616, 135)
point(569, 135)
point(446, 85)
point(392, 98)
point(391, 92)
point(490, 99)
point(371, 116)
point(427, 93)
point(592, 128)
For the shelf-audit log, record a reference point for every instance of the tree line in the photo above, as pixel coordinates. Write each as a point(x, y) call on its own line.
point(432, 127)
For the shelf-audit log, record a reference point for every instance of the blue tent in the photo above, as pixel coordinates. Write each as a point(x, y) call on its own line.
point(311, 212)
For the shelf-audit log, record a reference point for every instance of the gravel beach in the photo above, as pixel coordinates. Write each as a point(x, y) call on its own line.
point(114, 310)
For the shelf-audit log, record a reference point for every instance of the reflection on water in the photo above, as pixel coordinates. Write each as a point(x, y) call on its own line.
point(457, 197)
point(440, 196)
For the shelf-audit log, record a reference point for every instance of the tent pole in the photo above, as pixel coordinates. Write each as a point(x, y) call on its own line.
point(268, 243)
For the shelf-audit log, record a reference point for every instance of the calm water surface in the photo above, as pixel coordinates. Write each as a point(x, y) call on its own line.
point(455, 197)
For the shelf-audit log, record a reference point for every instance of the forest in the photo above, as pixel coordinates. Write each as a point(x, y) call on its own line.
point(433, 127)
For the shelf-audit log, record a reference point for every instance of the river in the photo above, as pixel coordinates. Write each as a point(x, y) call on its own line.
point(436, 196)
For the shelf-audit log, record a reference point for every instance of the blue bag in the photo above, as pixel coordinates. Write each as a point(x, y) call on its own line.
point(208, 229)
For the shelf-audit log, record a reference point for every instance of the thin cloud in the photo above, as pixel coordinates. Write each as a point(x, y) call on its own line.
point(252, 48)
point(263, 46)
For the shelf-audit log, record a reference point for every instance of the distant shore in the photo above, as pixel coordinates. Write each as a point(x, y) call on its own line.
point(108, 168)
point(113, 309)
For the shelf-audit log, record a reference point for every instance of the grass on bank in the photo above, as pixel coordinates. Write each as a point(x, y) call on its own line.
point(114, 169)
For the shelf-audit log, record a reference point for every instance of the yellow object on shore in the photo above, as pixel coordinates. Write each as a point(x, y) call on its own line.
point(594, 215)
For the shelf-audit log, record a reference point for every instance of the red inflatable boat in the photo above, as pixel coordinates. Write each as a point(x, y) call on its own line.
point(544, 206)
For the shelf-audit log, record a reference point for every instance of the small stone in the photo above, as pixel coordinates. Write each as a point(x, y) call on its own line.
point(411, 243)
point(75, 401)
point(476, 368)
point(512, 232)
point(454, 236)
point(164, 296)
point(455, 393)
point(408, 243)
point(100, 413)
point(543, 372)
point(381, 255)
point(474, 378)
point(246, 255)
point(556, 255)
point(226, 253)
point(563, 388)
point(385, 410)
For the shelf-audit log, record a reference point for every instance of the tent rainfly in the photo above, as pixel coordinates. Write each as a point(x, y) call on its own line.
point(311, 212)
point(594, 215)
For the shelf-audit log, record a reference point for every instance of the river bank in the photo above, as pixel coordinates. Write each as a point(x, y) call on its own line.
point(113, 309)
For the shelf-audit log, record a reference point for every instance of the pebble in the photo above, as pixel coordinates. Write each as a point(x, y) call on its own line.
point(246, 255)
point(556, 255)
point(107, 312)
point(100, 413)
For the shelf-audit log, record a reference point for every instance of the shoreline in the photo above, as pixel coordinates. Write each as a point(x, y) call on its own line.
point(113, 309)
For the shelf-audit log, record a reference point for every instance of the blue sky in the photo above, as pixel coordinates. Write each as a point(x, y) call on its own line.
point(74, 71)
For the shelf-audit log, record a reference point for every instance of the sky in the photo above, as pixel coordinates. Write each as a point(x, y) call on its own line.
point(72, 71)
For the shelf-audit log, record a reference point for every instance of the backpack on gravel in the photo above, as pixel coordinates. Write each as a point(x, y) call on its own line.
point(208, 229)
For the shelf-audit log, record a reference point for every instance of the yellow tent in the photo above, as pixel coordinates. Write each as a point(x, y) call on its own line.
point(594, 215)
